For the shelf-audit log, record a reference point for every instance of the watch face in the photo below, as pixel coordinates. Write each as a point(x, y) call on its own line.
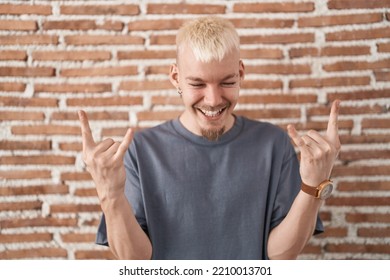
point(326, 191)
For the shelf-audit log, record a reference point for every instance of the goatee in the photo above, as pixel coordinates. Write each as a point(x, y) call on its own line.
point(212, 134)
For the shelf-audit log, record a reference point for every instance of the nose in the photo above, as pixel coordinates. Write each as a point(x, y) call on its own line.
point(213, 96)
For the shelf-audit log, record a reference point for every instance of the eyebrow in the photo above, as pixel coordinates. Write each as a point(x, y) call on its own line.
point(197, 79)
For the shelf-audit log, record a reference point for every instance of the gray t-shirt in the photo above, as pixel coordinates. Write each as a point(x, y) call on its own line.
point(198, 199)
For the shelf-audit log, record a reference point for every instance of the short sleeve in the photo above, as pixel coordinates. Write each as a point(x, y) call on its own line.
point(133, 194)
point(288, 188)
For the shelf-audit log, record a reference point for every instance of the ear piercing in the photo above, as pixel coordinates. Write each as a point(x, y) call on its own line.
point(179, 91)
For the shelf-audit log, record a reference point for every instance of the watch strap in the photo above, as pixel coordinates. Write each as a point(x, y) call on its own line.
point(314, 191)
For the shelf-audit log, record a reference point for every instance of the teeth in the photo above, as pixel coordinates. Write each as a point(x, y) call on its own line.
point(211, 113)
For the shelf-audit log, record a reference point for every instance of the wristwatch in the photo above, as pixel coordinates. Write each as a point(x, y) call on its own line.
point(323, 191)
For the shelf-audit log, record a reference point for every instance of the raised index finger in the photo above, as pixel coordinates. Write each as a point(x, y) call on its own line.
point(332, 130)
point(85, 131)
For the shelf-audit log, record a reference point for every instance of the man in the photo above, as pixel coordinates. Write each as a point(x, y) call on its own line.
point(210, 185)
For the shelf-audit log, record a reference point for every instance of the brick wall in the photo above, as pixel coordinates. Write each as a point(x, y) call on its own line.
point(111, 58)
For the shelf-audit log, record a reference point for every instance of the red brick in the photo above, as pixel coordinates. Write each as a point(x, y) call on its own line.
point(262, 23)
point(15, 115)
point(78, 237)
point(167, 100)
point(111, 25)
point(76, 176)
point(347, 110)
point(172, 24)
point(288, 38)
point(320, 21)
point(383, 47)
point(286, 7)
point(145, 85)
point(11, 9)
point(382, 76)
point(364, 154)
point(357, 248)
point(13, 55)
point(358, 4)
point(322, 126)
point(74, 208)
point(334, 232)
point(49, 129)
point(262, 84)
point(94, 255)
point(29, 40)
point(278, 98)
point(362, 170)
point(329, 51)
point(185, 9)
point(284, 69)
point(162, 40)
point(86, 192)
point(359, 95)
point(311, 249)
point(103, 40)
point(38, 222)
point(28, 102)
point(270, 113)
point(94, 72)
point(159, 69)
point(330, 82)
point(27, 71)
point(357, 65)
point(74, 146)
point(70, 25)
point(20, 206)
point(36, 253)
point(47, 160)
point(118, 131)
point(71, 55)
point(33, 190)
point(372, 232)
point(124, 10)
point(11, 86)
point(18, 25)
point(25, 145)
point(105, 101)
point(376, 123)
point(358, 201)
point(146, 54)
point(367, 218)
point(158, 115)
point(97, 116)
point(261, 53)
point(23, 237)
point(360, 34)
point(78, 88)
point(82, 25)
point(25, 174)
point(362, 139)
point(345, 186)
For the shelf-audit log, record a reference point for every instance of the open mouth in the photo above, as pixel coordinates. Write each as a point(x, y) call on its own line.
point(215, 113)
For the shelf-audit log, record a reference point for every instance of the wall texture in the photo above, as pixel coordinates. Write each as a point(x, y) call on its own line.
point(111, 58)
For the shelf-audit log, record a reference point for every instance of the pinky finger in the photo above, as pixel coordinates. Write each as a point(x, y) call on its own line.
point(125, 143)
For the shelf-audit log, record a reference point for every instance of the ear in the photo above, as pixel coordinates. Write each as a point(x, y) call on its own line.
point(241, 70)
point(174, 75)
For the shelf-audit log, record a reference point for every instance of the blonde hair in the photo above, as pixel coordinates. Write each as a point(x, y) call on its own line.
point(210, 38)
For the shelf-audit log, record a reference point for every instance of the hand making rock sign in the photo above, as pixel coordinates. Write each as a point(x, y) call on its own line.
point(104, 160)
point(318, 152)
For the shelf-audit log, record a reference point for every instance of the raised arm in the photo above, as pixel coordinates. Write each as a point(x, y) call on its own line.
point(318, 154)
point(104, 161)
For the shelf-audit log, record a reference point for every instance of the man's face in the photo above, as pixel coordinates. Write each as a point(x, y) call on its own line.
point(209, 91)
